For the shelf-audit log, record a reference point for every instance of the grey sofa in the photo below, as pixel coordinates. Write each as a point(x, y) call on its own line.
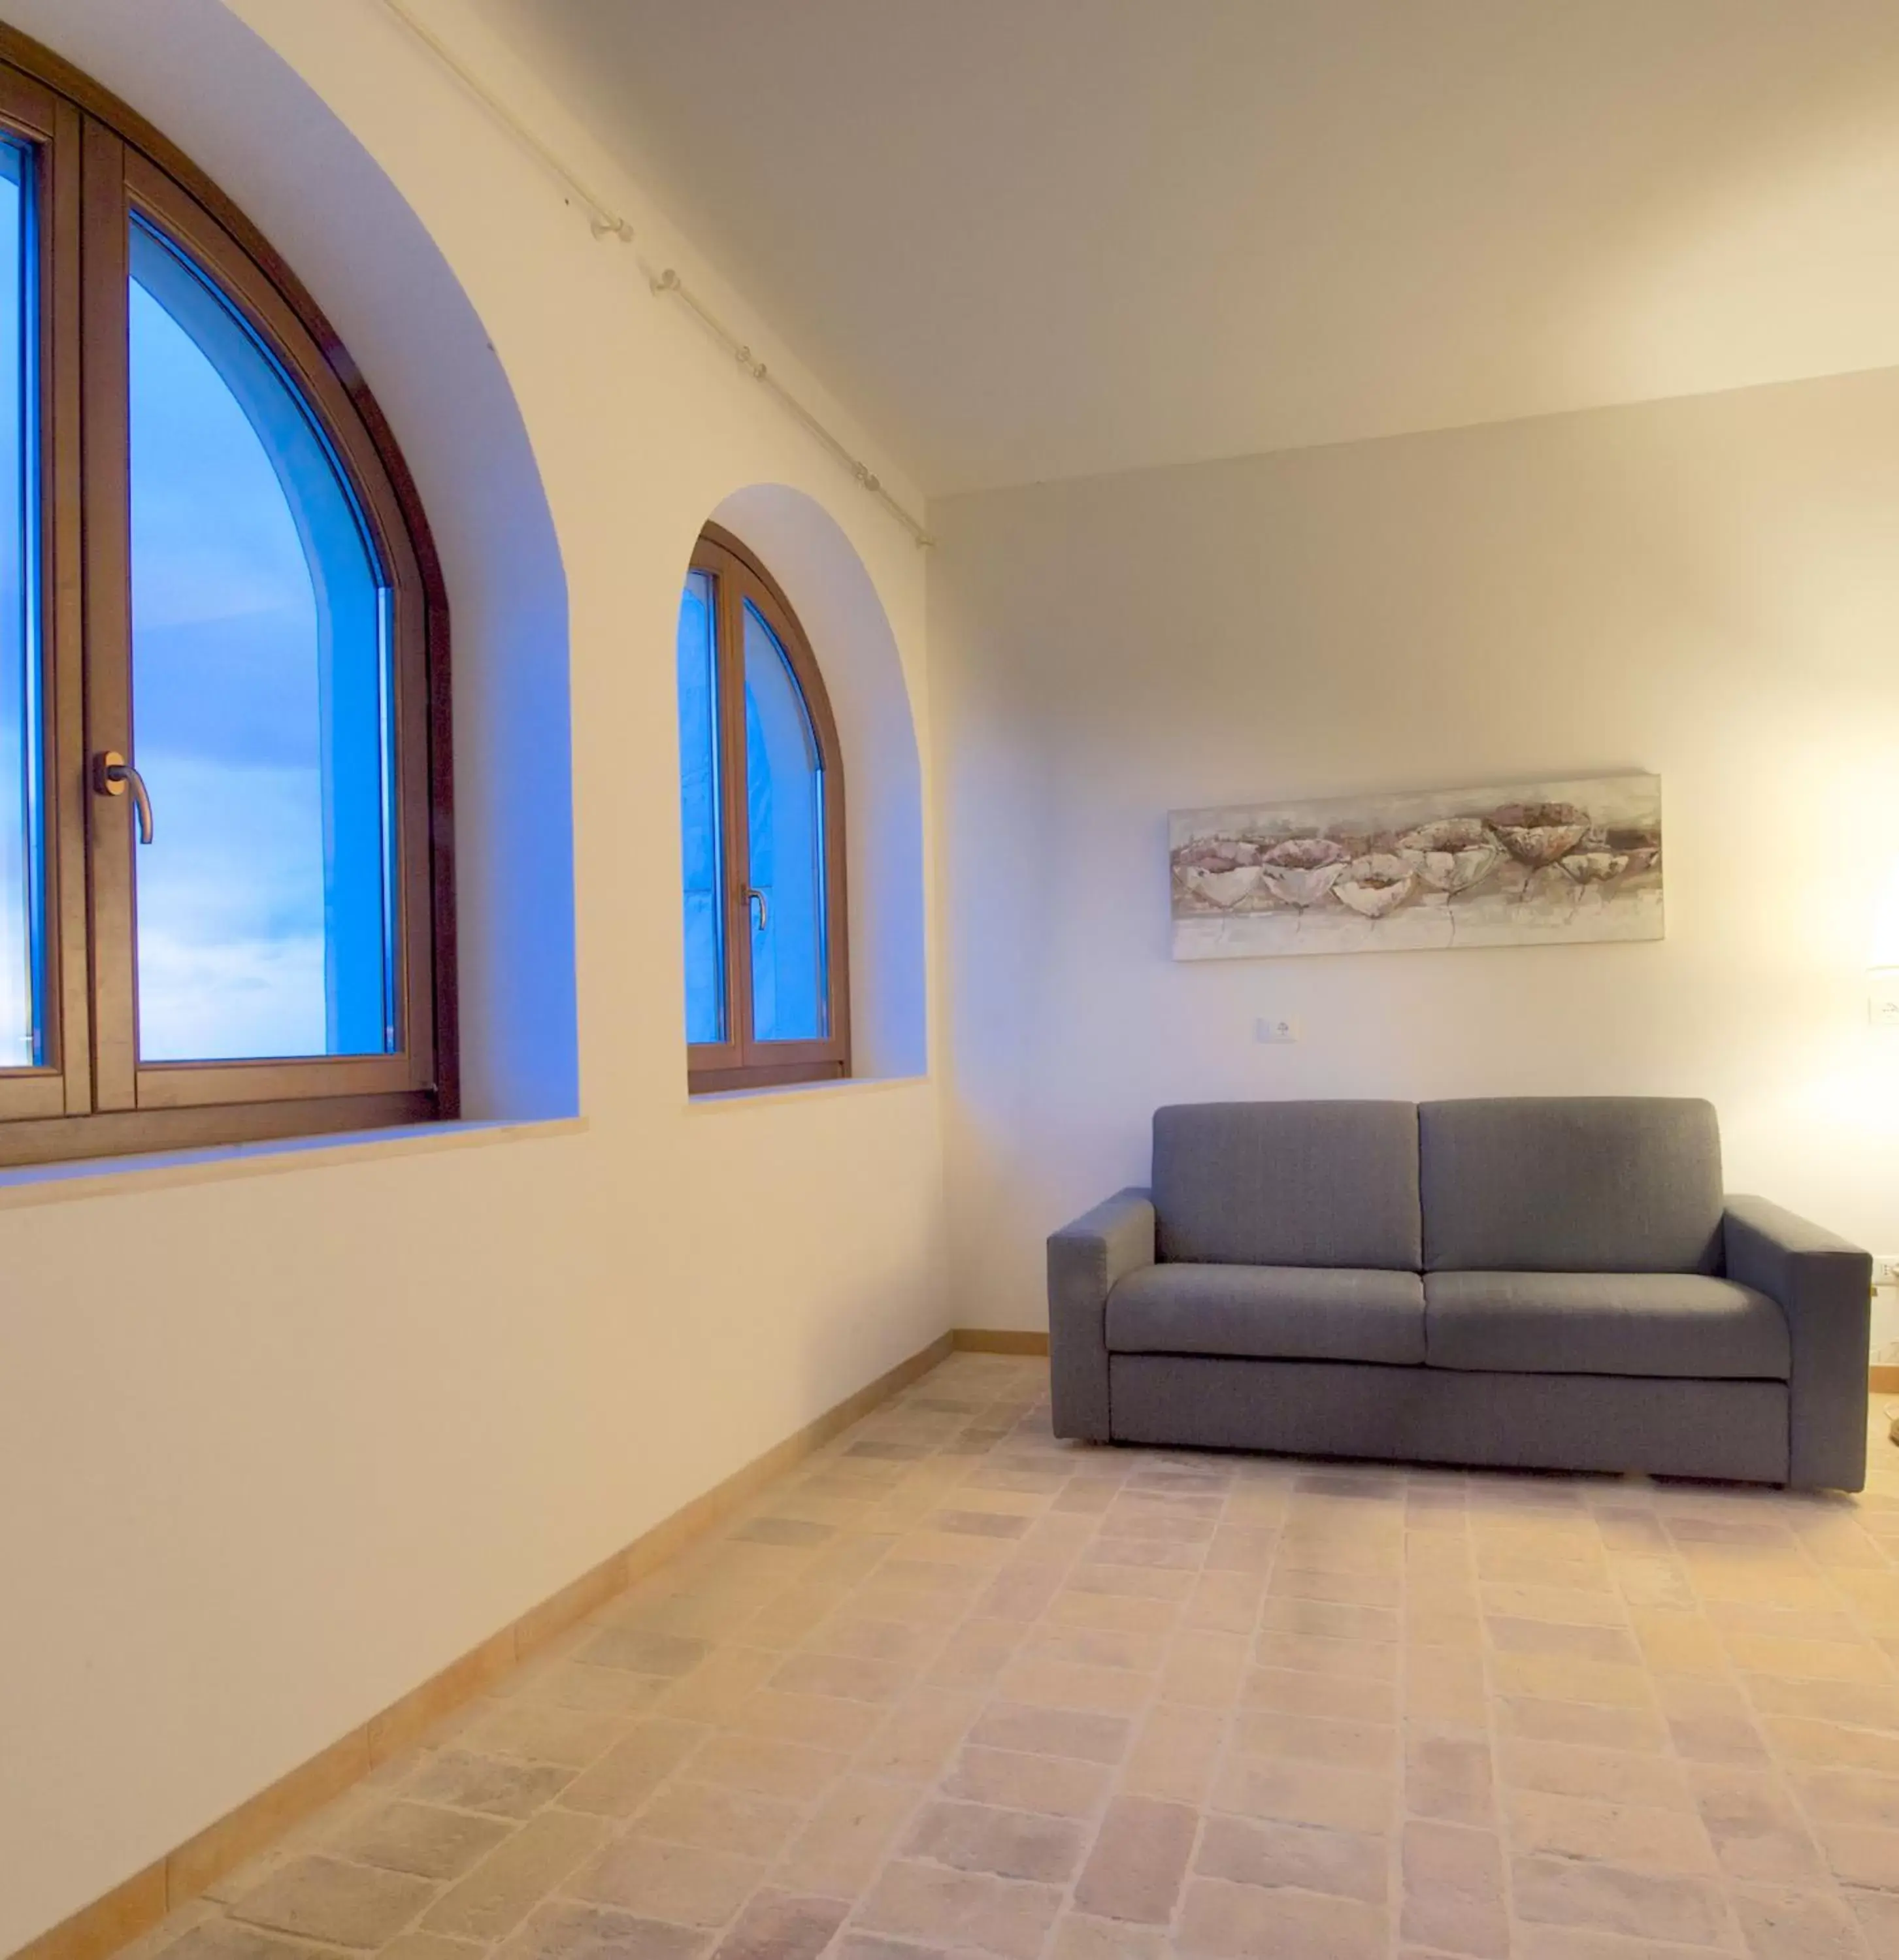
point(1552, 1283)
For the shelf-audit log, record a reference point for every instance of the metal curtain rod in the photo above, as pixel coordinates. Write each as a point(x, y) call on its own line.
point(606, 222)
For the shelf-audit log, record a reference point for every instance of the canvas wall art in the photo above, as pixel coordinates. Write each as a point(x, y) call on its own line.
point(1552, 864)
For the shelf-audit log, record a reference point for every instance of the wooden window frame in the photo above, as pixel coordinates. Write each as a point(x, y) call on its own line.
point(97, 164)
point(740, 1061)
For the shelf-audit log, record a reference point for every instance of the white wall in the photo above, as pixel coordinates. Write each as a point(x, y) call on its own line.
point(275, 1448)
point(1709, 589)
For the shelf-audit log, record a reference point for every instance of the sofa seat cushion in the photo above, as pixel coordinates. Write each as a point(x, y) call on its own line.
point(1678, 1324)
point(1323, 1313)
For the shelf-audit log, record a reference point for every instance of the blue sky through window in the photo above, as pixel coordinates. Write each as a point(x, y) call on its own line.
point(259, 700)
point(19, 922)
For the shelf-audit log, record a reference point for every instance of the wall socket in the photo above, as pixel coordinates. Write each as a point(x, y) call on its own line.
point(1882, 1000)
point(1885, 1269)
point(1275, 1029)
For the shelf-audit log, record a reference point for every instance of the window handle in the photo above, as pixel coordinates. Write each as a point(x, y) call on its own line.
point(761, 908)
point(111, 774)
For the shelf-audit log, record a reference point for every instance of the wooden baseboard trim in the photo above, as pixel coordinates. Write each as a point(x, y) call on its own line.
point(134, 1907)
point(999, 1341)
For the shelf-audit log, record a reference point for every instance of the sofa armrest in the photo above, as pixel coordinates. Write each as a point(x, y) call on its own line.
point(1084, 1261)
point(1823, 1286)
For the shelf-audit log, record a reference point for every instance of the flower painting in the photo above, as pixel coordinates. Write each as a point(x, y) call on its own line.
point(1552, 864)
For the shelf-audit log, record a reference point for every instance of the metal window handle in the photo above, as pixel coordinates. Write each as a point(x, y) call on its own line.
point(111, 775)
point(761, 908)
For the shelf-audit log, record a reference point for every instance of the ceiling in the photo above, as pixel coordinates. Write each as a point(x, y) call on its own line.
point(1026, 239)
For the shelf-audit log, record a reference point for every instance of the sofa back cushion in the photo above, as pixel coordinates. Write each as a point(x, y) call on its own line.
point(1288, 1184)
point(1583, 1184)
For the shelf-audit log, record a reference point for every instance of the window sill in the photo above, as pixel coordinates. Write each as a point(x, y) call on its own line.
point(712, 1100)
point(98, 1177)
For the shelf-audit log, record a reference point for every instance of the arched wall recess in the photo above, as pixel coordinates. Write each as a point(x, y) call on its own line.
point(265, 137)
point(809, 554)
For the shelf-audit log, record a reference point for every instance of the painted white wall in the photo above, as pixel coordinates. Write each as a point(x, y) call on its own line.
point(1709, 589)
point(275, 1448)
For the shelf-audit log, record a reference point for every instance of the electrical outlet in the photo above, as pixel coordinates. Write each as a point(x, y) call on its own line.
point(1885, 1269)
point(1882, 1000)
point(1277, 1029)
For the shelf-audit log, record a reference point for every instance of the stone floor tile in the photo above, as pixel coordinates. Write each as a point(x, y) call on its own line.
point(1350, 1659)
point(1571, 1606)
point(1756, 1830)
point(1860, 1704)
point(1576, 1942)
point(1139, 1859)
point(1052, 1732)
point(1060, 1786)
point(1225, 1601)
point(1860, 1855)
point(1340, 1699)
point(633, 1768)
point(1779, 1923)
point(935, 1907)
point(1330, 1619)
point(1441, 1685)
point(1039, 1680)
point(1511, 1635)
point(1344, 1864)
point(727, 1677)
point(564, 1929)
point(1069, 1608)
point(423, 1838)
point(1687, 1911)
point(817, 1721)
point(1078, 1935)
point(1009, 1843)
point(218, 1938)
point(1535, 1718)
point(1447, 1775)
point(338, 1902)
point(1613, 1776)
point(783, 1926)
point(917, 1739)
point(684, 1884)
point(1617, 1834)
point(1878, 1913)
point(1229, 1922)
point(1292, 1580)
point(1453, 1890)
point(849, 1678)
point(839, 1851)
point(499, 1892)
point(1173, 1753)
point(639, 1652)
point(720, 1816)
point(501, 1787)
point(542, 1732)
point(1798, 1740)
point(1293, 1791)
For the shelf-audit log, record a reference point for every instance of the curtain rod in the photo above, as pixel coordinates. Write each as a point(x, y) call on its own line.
point(606, 222)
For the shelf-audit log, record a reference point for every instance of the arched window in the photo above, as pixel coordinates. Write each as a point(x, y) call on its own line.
point(224, 815)
point(761, 809)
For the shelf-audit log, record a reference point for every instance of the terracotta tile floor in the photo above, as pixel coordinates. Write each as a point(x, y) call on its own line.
point(955, 1688)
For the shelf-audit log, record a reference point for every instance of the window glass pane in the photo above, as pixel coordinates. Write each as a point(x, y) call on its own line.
point(21, 860)
point(260, 699)
point(702, 846)
point(785, 795)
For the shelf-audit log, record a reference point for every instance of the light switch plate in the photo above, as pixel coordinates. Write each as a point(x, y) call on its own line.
point(1275, 1029)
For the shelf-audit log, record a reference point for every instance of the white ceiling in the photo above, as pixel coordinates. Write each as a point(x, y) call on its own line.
point(1037, 238)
